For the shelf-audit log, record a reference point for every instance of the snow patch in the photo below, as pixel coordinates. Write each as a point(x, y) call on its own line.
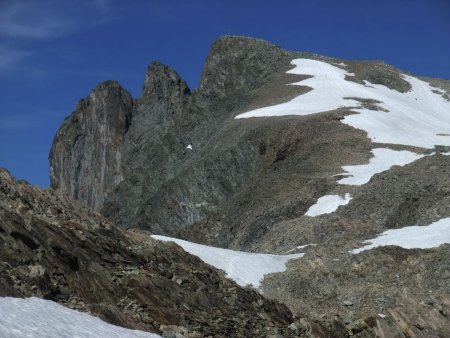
point(415, 118)
point(243, 267)
point(305, 246)
point(382, 160)
point(327, 204)
point(300, 247)
point(412, 237)
point(35, 317)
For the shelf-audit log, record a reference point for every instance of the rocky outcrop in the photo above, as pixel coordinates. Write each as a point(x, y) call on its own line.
point(164, 86)
point(236, 63)
point(86, 155)
point(378, 72)
point(157, 113)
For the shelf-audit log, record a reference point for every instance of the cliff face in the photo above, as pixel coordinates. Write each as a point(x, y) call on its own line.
point(158, 112)
point(86, 155)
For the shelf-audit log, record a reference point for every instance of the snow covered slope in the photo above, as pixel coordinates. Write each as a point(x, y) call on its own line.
point(420, 117)
point(412, 237)
point(40, 318)
point(382, 160)
point(243, 267)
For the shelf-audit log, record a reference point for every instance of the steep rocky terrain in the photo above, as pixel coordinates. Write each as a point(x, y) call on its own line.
point(378, 280)
point(189, 168)
point(54, 248)
point(86, 157)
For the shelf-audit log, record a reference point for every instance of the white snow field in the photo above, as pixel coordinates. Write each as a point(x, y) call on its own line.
point(243, 267)
point(383, 159)
point(412, 237)
point(419, 117)
point(327, 204)
point(38, 318)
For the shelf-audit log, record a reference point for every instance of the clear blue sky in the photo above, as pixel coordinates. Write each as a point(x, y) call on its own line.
point(54, 52)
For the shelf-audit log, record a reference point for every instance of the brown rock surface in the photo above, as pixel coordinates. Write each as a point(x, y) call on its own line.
point(54, 248)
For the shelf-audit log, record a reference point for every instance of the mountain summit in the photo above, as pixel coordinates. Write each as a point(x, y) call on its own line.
point(283, 152)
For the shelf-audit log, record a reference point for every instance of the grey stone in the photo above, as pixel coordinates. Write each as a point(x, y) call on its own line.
point(37, 271)
point(86, 154)
point(293, 328)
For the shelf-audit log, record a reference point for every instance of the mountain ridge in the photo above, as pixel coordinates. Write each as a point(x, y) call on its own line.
point(192, 170)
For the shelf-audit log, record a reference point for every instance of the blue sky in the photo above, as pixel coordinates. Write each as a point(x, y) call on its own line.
point(54, 52)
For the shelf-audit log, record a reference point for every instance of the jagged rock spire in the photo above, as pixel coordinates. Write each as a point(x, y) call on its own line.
point(85, 158)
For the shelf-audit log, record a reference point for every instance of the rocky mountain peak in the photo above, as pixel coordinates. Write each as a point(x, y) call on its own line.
point(162, 82)
point(235, 63)
point(90, 141)
point(107, 84)
point(104, 97)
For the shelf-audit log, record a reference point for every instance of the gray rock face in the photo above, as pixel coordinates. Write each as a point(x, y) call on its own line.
point(153, 143)
point(238, 63)
point(168, 187)
point(86, 155)
point(164, 96)
point(164, 85)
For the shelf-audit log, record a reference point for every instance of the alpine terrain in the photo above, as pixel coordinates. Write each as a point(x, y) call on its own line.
point(289, 195)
